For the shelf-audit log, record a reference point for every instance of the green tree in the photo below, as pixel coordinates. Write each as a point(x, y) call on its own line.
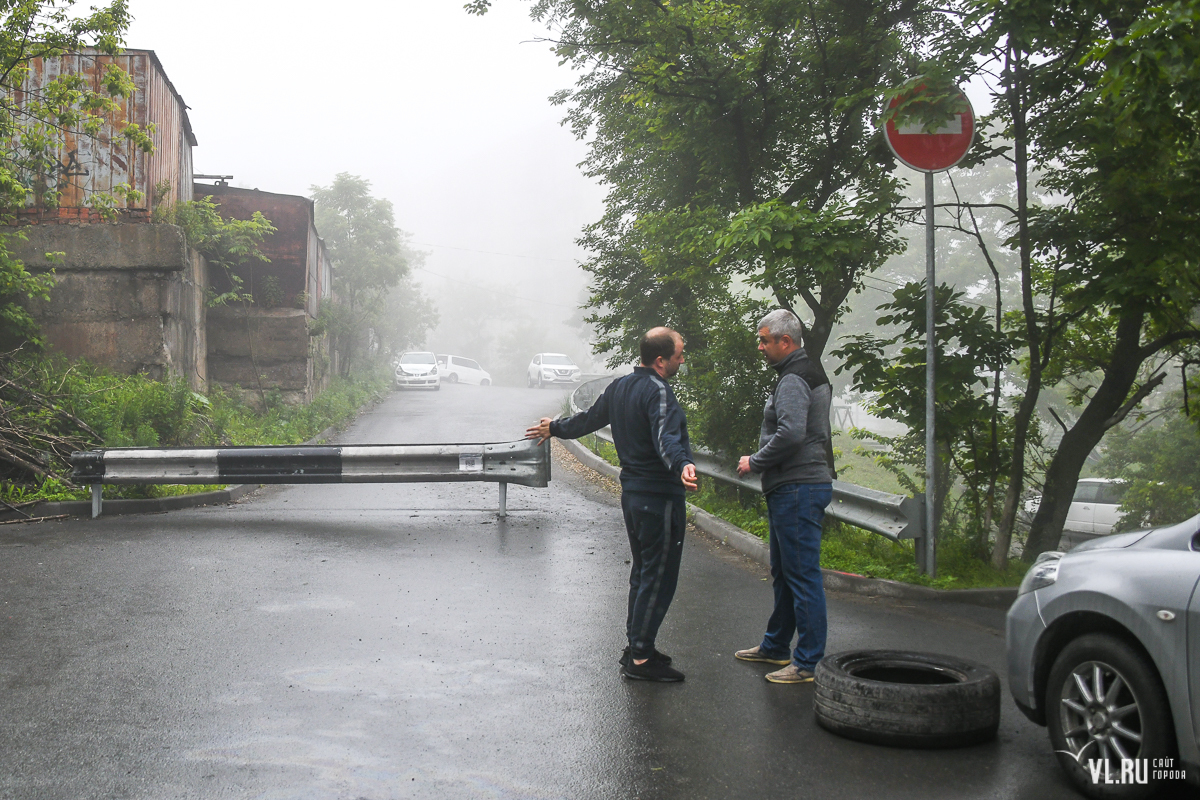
point(1160, 458)
point(739, 146)
point(370, 257)
point(225, 243)
point(1100, 100)
point(972, 426)
point(1096, 115)
point(33, 126)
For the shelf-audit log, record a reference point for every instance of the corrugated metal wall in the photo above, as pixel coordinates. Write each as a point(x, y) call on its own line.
point(89, 165)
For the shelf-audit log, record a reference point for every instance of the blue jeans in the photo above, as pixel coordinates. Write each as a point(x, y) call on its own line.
point(795, 511)
point(655, 524)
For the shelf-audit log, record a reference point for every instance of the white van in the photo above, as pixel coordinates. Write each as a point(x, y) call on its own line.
point(1095, 510)
point(457, 369)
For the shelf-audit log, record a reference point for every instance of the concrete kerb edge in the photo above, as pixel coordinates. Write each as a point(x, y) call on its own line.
point(112, 508)
point(755, 548)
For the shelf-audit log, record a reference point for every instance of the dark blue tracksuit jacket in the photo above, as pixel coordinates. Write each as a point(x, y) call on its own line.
point(648, 428)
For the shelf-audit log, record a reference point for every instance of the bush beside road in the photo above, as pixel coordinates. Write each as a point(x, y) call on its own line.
point(137, 411)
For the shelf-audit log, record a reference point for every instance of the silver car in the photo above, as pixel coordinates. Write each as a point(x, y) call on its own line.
point(1104, 650)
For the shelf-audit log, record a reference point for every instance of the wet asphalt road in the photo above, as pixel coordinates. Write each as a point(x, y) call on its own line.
point(388, 641)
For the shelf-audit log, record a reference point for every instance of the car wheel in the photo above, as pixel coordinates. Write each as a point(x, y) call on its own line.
point(906, 699)
point(485, 382)
point(541, 382)
point(452, 377)
point(1105, 704)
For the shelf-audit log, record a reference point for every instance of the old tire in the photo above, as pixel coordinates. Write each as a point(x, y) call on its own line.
point(907, 699)
point(1105, 702)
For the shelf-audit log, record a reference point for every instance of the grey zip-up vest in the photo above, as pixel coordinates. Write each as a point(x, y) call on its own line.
point(795, 442)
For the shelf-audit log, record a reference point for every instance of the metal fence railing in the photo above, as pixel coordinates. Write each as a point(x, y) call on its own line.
point(521, 462)
point(894, 516)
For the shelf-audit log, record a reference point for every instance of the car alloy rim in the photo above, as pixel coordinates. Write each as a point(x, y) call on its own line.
point(1099, 714)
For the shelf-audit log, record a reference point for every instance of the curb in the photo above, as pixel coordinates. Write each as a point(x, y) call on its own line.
point(152, 505)
point(755, 548)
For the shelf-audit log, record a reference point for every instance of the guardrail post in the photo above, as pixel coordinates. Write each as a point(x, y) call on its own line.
point(921, 550)
point(97, 499)
point(503, 499)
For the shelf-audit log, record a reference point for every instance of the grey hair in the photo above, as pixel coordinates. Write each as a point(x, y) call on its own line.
point(782, 322)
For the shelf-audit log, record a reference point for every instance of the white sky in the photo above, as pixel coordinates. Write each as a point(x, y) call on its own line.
point(445, 113)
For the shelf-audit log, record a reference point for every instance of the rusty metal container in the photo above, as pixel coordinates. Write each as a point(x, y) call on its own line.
point(90, 165)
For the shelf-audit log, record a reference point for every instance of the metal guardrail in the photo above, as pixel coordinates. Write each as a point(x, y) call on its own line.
point(521, 462)
point(894, 516)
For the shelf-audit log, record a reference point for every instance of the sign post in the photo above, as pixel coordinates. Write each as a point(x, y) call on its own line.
point(929, 152)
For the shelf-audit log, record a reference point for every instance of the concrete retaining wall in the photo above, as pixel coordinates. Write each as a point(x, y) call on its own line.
point(249, 347)
point(129, 297)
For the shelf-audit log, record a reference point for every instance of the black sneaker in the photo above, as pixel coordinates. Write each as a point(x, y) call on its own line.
point(651, 671)
point(661, 658)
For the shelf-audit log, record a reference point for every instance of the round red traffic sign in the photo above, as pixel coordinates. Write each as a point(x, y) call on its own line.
point(936, 151)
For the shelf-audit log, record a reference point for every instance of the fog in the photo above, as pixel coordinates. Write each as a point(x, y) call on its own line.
point(445, 113)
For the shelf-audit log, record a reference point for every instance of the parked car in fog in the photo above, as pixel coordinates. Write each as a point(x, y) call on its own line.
point(550, 368)
point(456, 369)
point(1102, 651)
point(1095, 509)
point(418, 370)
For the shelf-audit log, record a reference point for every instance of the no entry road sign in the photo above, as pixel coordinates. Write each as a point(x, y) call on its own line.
point(936, 151)
point(930, 152)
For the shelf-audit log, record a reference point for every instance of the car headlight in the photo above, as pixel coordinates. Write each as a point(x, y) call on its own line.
point(433, 371)
point(1044, 572)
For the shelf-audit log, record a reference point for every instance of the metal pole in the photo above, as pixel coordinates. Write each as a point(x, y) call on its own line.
point(97, 499)
point(503, 499)
point(930, 387)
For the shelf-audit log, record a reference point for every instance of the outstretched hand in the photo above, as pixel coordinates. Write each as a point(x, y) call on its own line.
point(541, 431)
point(689, 478)
point(744, 466)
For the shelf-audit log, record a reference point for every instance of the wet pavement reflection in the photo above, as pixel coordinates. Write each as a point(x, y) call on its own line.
point(385, 641)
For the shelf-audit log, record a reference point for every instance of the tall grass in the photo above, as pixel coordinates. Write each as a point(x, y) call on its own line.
point(136, 411)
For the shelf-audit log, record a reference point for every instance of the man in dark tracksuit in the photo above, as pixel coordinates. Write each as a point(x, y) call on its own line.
point(795, 459)
point(650, 433)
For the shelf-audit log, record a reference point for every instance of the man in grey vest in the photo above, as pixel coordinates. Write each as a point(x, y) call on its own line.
point(795, 460)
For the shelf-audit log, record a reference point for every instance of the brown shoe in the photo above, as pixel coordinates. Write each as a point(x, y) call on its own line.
point(756, 654)
point(790, 674)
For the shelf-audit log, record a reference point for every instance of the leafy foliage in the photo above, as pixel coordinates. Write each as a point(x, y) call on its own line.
point(371, 259)
point(740, 151)
point(1100, 98)
point(225, 243)
point(972, 427)
point(33, 126)
point(1161, 461)
point(76, 406)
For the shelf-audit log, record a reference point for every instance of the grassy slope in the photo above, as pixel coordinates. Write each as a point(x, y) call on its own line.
point(844, 547)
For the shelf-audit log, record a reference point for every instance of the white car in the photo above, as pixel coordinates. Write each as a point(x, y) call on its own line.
point(456, 369)
point(418, 370)
point(549, 368)
point(1095, 510)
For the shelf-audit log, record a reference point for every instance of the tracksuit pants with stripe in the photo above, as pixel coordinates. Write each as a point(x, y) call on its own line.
point(656, 524)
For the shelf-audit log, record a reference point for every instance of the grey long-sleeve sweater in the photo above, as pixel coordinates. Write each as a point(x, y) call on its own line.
point(793, 444)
